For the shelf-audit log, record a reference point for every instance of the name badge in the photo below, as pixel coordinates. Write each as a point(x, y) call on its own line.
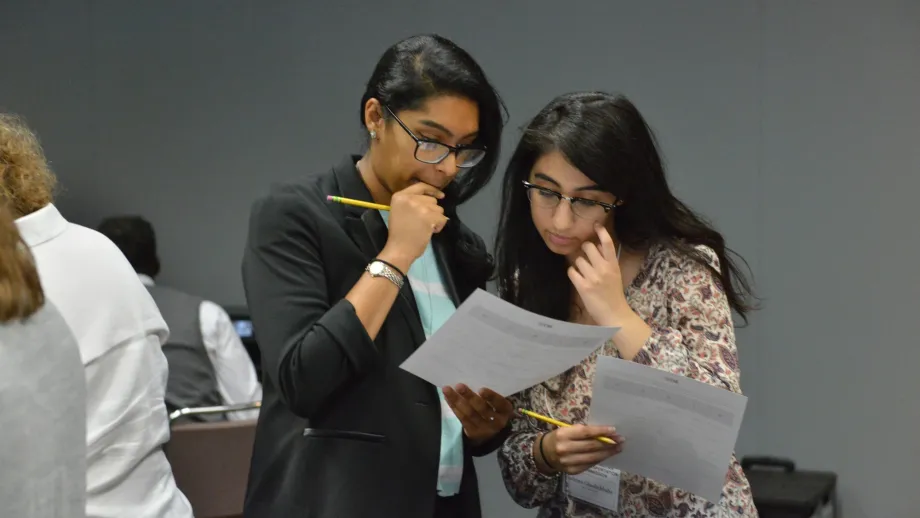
point(599, 486)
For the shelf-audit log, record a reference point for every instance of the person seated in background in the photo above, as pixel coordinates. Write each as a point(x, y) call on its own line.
point(208, 364)
point(119, 332)
point(42, 394)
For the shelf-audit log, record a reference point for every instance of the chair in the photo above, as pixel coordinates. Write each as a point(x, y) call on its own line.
point(210, 461)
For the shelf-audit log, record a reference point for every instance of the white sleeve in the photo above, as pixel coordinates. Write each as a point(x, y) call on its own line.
point(126, 428)
point(236, 375)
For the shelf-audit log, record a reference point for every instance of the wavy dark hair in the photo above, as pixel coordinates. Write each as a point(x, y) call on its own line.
point(414, 70)
point(607, 139)
point(421, 67)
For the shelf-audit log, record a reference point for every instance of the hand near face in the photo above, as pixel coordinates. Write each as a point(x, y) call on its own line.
point(597, 278)
point(482, 415)
point(414, 216)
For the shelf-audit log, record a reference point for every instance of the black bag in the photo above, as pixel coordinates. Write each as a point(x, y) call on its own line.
point(782, 492)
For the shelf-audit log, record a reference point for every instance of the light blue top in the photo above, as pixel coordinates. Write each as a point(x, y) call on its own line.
point(434, 308)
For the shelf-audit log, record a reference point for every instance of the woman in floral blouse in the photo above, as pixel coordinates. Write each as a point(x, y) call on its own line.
point(591, 233)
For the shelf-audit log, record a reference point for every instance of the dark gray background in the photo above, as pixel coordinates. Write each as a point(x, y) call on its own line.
point(792, 125)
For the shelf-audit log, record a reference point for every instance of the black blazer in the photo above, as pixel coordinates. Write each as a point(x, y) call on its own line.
point(343, 431)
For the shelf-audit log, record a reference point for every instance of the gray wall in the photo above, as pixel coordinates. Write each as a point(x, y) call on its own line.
point(792, 125)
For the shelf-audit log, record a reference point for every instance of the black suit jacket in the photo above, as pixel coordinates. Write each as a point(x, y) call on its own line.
point(343, 431)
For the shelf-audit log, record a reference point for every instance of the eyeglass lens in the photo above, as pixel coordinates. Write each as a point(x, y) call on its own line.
point(550, 199)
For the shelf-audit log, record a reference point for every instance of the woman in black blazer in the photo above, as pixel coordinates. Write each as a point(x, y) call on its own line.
point(343, 431)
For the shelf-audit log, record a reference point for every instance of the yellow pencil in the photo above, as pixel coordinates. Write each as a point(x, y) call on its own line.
point(357, 203)
point(550, 420)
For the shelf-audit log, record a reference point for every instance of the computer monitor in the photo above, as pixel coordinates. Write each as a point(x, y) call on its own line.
point(244, 328)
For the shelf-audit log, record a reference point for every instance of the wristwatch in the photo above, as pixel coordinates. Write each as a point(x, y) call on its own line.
point(380, 269)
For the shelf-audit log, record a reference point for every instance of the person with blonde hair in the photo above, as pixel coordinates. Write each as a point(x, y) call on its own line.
point(42, 394)
point(119, 331)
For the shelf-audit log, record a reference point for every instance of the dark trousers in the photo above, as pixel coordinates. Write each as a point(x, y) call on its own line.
point(447, 507)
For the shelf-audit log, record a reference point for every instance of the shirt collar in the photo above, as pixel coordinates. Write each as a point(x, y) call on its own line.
point(146, 280)
point(41, 226)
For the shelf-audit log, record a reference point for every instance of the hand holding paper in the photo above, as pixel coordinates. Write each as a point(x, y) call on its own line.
point(482, 415)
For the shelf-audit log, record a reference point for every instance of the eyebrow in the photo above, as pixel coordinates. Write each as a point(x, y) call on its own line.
point(547, 178)
point(449, 133)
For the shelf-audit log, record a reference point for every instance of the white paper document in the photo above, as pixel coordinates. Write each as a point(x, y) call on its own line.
point(491, 343)
point(676, 430)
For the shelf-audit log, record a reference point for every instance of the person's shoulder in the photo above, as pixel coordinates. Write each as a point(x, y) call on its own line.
point(97, 253)
point(213, 311)
point(709, 255)
point(107, 270)
point(286, 196)
point(288, 211)
point(292, 201)
point(294, 209)
point(93, 242)
point(175, 293)
point(682, 257)
point(46, 321)
point(307, 191)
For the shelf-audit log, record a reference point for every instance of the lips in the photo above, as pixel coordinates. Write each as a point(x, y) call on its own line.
point(559, 240)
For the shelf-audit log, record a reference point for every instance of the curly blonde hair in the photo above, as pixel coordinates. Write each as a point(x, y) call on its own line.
point(26, 182)
point(21, 292)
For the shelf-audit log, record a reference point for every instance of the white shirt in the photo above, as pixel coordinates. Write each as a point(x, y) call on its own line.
point(120, 334)
point(236, 376)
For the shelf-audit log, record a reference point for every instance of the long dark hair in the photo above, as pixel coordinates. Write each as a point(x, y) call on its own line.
point(420, 67)
point(608, 140)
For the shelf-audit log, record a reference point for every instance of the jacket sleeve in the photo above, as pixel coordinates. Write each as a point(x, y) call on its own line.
point(487, 447)
point(311, 347)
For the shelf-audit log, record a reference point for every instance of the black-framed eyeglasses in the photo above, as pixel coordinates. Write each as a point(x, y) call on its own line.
point(433, 152)
point(581, 207)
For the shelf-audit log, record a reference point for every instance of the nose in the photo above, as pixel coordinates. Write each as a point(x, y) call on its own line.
point(448, 166)
point(563, 217)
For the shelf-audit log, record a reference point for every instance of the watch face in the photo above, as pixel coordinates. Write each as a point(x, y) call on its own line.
point(376, 268)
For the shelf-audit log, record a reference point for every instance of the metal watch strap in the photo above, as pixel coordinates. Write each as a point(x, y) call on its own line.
point(381, 269)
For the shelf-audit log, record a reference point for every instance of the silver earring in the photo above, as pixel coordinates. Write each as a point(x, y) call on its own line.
point(373, 135)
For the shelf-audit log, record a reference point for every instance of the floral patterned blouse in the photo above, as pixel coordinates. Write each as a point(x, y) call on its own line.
point(692, 335)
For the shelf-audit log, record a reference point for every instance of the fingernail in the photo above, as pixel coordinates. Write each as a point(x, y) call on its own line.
point(611, 430)
point(618, 439)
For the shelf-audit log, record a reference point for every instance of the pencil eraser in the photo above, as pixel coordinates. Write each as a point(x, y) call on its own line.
point(329, 197)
